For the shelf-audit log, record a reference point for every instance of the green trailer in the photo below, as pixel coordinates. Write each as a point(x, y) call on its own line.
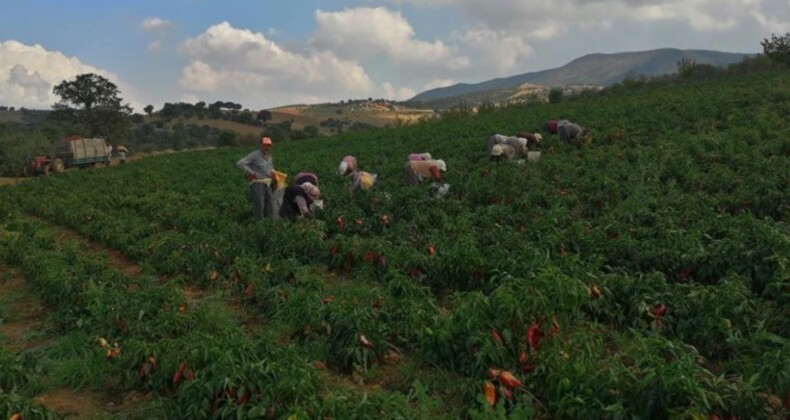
point(79, 152)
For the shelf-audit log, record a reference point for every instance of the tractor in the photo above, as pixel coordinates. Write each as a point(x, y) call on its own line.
point(70, 152)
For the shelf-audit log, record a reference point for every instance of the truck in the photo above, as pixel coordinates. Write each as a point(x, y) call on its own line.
point(70, 152)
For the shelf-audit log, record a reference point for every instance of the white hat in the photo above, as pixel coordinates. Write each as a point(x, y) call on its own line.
point(496, 150)
point(441, 165)
point(343, 167)
point(426, 156)
point(538, 137)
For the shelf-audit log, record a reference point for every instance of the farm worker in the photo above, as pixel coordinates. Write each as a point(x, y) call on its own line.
point(303, 177)
point(297, 200)
point(569, 131)
point(533, 139)
point(347, 166)
point(109, 153)
point(363, 180)
point(502, 152)
point(416, 171)
point(259, 167)
point(420, 156)
point(518, 144)
point(122, 153)
point(550, 126)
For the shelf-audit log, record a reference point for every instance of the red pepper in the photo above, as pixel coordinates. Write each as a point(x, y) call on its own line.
point(340, 223)
point(509, 380)
point(659, 310)
point(152, 361)
point(506, 392)
point(190, 375)
point(248, 291)
point(490, 393)
point(359, 222)
point(534, 335)
point(431, 250)
point(493, 373)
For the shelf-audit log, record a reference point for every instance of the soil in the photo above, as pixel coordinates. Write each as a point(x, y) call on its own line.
point(25, 313)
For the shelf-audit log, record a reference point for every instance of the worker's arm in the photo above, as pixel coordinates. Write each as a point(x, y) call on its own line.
point(302, 204)
point(244, 163)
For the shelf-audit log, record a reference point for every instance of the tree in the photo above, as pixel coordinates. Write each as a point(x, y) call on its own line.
point(93, 102)
point(555, 96)
point(777, 48)
point(264, 115)
point(149, 110)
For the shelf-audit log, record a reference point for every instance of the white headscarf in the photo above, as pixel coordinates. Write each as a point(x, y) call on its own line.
point(441, 165)
point(343, 167)
point(426, 156)
point(538, 137)
point(312, 191)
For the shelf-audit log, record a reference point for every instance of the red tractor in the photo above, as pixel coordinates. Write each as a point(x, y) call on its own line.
point(42, 165)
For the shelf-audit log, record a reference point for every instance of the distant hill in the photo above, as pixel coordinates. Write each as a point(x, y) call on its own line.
point(591, 69)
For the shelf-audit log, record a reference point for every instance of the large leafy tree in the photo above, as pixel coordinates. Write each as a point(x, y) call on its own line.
point(777, 48)
point(93, 103)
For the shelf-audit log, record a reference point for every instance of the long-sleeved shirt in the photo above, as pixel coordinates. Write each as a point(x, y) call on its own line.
point(256, 163)
point(426, 169)
point(570, 131)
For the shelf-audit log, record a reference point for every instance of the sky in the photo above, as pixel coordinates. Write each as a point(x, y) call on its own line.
point(267, 53)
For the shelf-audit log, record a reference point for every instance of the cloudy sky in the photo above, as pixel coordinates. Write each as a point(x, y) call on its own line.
point(267, 53)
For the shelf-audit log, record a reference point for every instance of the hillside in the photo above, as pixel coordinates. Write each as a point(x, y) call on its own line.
point(591, 69)
point(642, 275)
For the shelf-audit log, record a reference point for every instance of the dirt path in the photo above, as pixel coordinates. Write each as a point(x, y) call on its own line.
point(23, 315)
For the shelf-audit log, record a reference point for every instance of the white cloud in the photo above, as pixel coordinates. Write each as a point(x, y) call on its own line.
point(543, 19)
point(364, 33)
point(245, 66)
point(29, 73)
point(154, 46)
point(496, 52)
point(398, 94)
point(155, 23)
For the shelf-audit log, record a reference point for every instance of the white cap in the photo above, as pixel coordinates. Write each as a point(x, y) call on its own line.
point(538, 137)
point(496, 150)
point(343, 167)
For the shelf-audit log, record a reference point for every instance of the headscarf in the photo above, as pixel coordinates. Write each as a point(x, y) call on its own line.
point(312, 191)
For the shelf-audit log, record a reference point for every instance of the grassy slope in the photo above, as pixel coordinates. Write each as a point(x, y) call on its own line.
point(692, 178)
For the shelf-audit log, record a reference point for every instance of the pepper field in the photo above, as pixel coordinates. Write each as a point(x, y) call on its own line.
point(643, 275)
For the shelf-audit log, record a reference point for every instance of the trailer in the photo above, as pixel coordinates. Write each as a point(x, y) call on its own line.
point(79, 152)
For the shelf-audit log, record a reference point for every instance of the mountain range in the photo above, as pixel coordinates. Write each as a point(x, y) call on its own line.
point(591, 69)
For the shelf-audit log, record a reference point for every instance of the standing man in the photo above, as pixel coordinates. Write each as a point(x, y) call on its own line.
point(109, 154)
point(259, 167)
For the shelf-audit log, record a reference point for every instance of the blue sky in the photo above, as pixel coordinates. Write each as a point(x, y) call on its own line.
point(265, 53)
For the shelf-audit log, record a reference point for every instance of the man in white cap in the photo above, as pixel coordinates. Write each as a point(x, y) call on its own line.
point(259, 167)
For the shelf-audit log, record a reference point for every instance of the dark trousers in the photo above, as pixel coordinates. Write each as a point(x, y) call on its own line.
point(261, 196)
